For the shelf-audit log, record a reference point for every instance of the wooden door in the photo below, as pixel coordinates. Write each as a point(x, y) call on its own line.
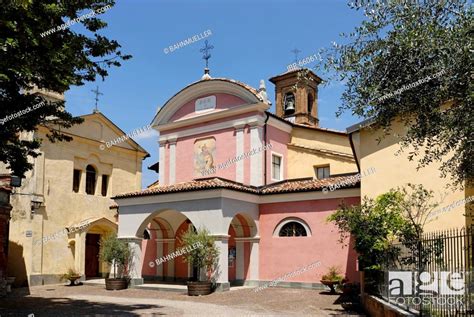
point(92, 255)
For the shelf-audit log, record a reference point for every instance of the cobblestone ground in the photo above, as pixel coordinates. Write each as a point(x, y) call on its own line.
point(94, 300)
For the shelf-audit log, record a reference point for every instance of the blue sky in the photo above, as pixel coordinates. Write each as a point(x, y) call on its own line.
point(252, 40)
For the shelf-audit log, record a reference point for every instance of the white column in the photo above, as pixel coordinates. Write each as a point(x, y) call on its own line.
point(159, 253)
point(256, 158)
point(135, 269)
point(239, 150)
point(254, 259)
point(240, 257)
point(170, 263)
point(172, 164)
point(222, 272)
point(162, 163)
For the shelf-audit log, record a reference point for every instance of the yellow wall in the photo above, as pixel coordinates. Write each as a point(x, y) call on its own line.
point(396, 170)
point(52, 178)
point(312, 147)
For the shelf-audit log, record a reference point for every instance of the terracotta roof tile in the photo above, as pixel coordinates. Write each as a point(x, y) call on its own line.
point(287, 186)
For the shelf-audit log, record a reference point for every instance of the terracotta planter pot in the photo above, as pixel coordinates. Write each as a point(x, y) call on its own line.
point(199, 288)
point(114, 284)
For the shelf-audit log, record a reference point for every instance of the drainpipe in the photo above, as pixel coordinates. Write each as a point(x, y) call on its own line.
point(265, 142)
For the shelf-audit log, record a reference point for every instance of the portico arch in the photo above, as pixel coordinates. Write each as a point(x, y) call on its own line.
point(242, 241)
point(166, 228)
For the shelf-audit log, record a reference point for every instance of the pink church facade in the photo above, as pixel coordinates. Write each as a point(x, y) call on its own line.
point(223, 165)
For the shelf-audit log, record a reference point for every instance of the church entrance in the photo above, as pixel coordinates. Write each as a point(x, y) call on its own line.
point(92, 255)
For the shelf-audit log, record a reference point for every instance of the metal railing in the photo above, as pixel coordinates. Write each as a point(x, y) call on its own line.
point(429, 277)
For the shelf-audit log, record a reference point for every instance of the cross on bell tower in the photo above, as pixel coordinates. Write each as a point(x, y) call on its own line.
point(296, 52)
point(97, 93)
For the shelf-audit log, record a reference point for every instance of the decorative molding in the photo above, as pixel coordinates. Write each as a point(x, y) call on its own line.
point(239, 126)
point(220, 236)
point(201, 89)
point(341, 155)
point(172, 164)
point(247, 239)
point(162, 167)
point(239, 165)
point(209, 128)
point(165, 240)
point(278, 124)
point(276, 231)
point(256, 161)
point(232, 194)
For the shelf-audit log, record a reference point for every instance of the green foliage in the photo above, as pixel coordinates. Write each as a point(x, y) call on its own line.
point(52, 62)
point(374, 225)
point(334, 275)
point(398, 44)
point(115, 252)
point(203, 251)
point(396, 216)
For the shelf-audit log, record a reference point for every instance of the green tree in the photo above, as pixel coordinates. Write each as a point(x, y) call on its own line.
point(425, 44)
point(374, 224)
point(203, 252)
point(115, 252)
point(30, 58)
point(396, 217)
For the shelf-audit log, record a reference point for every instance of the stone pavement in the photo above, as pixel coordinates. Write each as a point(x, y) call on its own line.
point(94, 300)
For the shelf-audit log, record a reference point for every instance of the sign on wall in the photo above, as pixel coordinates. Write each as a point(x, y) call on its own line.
point(206, 103)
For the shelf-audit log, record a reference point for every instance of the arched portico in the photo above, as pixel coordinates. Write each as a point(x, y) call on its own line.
point(243, 249)
point(163, 237)
point(207, 209)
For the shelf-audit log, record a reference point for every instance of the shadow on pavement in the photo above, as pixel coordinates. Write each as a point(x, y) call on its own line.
point(52, 307)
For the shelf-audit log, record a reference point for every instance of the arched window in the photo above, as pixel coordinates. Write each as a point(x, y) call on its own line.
point(292, 227)
point(90, 180)
point(310, 103)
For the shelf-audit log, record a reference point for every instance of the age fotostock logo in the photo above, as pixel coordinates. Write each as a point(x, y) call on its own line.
point(416, 285)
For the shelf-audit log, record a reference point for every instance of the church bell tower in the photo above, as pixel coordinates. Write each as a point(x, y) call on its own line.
point(296, 96)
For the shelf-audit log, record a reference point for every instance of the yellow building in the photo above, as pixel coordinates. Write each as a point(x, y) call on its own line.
point(63, 206)
point(394, 169)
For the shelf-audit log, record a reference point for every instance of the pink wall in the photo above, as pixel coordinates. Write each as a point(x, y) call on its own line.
point(225, 149)
point(149, 255)
point(283, 255)
point(279, 140)
point(223, 101)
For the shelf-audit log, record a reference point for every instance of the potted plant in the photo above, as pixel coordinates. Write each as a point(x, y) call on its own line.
point(202, 253)
point(116, 253)
point(332, 278)
point(72, 276)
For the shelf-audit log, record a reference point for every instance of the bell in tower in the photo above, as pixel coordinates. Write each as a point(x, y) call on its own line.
point(297, 99)
point(289, 103)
